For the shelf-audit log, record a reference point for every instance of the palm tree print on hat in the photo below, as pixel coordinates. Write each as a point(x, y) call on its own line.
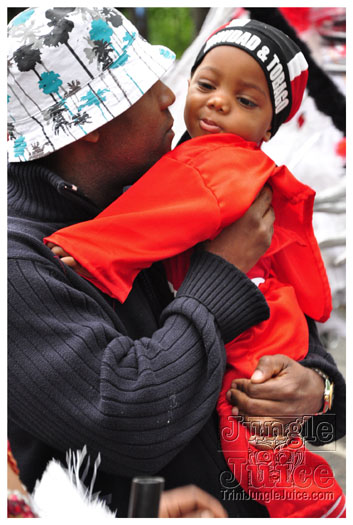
point(23, 28)
point(112, 16)
point(11, 130)
point(101, 32)
point(37, 150)
point(55, 114)
point(60, 35)
point(20, 146)
point(94, 99)
point(60, 32)
point(74, 87)
point(81, 118)
point(103, 48)
point(26, 59)
point(102, 51)
point(49, 83)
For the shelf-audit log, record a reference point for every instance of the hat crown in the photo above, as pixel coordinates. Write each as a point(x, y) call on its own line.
point(71, 42)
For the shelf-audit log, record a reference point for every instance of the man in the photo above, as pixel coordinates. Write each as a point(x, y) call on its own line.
point(136, 382)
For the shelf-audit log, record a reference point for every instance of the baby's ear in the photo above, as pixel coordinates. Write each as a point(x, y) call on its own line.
point(267, 136)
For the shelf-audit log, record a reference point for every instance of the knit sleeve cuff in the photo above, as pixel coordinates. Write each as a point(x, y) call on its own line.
point(226, 292)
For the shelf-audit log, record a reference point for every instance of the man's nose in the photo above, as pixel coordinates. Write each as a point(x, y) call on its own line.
point(167, 96)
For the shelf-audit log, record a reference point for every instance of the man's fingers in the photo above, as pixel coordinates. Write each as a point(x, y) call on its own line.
point(265, 193)
point(269, 215)
point(263, 200)
point(271, 390)
point(248, 405)
point(281, 387)
point(269, 366)
point(245, 405)
point(278, 388)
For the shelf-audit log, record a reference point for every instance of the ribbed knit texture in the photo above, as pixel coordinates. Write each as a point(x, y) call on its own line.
point(237, 306)
point(78, 374)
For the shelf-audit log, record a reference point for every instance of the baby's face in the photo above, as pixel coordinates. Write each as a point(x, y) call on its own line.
point(228, 93)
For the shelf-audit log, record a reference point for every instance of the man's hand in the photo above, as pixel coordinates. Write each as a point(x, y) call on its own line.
point(279, 386)
point(246, 240)
point(190, 502)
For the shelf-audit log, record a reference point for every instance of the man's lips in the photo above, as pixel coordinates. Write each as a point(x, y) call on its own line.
point(170, 128)
point(209, 125)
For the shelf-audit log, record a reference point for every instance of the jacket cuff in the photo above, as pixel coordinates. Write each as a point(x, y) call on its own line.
point(236, 303)
point(328, 427)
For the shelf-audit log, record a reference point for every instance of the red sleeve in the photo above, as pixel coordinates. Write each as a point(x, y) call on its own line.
point(189, 196)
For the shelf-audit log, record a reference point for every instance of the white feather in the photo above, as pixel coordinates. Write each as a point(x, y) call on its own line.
point(61, 493)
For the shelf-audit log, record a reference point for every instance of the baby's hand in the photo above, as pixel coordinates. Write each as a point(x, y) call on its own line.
point(65, 257)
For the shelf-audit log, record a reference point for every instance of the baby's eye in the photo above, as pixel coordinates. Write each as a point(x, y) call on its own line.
point(204, 85)
point(246, 102)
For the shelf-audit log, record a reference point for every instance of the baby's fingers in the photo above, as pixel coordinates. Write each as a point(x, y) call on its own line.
point(57, 250)
point(70, 261)
point(67, 259)
point(64, 256)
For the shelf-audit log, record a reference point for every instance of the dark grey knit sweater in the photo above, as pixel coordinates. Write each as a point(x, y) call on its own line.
point(136, 382)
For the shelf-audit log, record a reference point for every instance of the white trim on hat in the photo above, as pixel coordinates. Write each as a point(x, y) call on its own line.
point(297, 65)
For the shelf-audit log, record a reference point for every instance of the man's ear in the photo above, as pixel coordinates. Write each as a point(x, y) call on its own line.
point(92, 137)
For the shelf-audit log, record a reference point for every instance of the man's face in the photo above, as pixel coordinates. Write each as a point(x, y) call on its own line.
point(228, 93)
point(132, 142)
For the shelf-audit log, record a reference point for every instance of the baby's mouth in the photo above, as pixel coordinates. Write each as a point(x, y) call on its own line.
point(209, 125)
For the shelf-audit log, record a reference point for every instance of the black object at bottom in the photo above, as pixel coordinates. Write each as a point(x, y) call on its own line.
point(145, 496)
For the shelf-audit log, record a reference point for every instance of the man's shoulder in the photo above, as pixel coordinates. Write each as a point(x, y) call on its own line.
point(27, 255)
point(25, 236)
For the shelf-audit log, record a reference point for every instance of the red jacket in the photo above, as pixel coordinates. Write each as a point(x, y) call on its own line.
point(189, 196)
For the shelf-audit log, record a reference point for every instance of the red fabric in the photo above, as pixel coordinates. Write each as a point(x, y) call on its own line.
point(299, 17)
point(290, 481)
point(341, 148)
point(187, 197)
point(298, 85)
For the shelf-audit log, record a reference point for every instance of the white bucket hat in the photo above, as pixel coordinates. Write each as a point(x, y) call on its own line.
point(70, 71)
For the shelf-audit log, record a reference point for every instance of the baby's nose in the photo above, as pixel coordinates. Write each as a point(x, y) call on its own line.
point(219, 103)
